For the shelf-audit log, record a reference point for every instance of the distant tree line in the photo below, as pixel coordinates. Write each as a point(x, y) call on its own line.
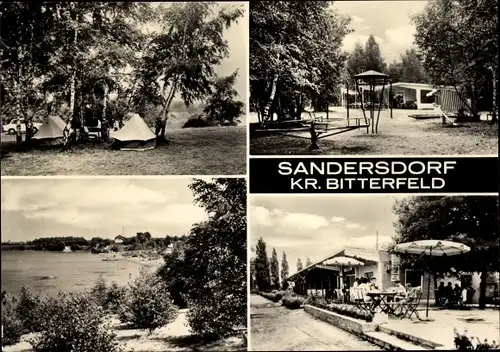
point(143, 240)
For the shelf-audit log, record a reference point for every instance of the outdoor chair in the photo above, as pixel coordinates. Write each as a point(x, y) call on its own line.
point(410, 304)
point(360, 300)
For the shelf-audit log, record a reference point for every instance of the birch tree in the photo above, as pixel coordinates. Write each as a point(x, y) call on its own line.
point(181, 59)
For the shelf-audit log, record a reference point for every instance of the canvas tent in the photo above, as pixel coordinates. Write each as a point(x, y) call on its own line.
point(135, 135)
point(51, 132)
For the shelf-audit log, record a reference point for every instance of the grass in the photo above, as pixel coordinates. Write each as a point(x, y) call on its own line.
point(400, 135)
point(192, 151)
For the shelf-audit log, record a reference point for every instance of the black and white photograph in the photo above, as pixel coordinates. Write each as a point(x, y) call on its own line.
point(114, 264)
point(85, 86)
point(373, 77)
point(374, 272)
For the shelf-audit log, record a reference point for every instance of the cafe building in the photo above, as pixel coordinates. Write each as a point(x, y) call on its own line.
point(328, 274)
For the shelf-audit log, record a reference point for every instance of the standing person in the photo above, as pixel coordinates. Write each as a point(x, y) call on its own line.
point(440, 293)
point(356, 283)
point(448, 292)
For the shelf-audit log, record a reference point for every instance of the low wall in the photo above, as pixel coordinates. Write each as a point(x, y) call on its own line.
point(343, 322)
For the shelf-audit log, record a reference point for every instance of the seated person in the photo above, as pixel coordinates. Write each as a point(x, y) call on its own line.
point(364, 287)
point(440, 294)
point(401, 292)
point(373, 284)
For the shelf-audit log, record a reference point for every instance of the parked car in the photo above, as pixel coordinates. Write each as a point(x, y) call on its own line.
point(11, 127)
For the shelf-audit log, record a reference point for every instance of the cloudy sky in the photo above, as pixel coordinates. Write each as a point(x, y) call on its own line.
point(388, 21)
point(96, 207)
point(317, 226)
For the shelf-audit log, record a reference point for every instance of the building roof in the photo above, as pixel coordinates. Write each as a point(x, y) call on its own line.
point(365, 255)
point(120, 237)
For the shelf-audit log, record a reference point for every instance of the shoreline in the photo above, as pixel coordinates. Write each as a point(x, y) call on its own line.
point(146, 262)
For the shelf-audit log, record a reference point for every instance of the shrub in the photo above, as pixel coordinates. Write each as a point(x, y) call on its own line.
point(148, 304)
point(465, 343)
point(12, 324)
point(211, 318)
point(274, 296)
point(30, 310)
point(199, 120)
point(115, 297)
point(292, 301)
point(74, 322)
point(99, 292)
point(343, 309)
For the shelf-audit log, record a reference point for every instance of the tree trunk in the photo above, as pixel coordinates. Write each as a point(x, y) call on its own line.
point(104, 121)
point(494, 98)
point(482, 289)
point(69, 131)
point(267, 106)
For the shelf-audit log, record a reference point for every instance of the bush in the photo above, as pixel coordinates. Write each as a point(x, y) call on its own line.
point(115, 297)
point(12, 324)
point(30, 310)
point(74, 322)
point(99, 292)
point(211, 319)
point(274, 296)
point(465, 343)
point(292, 301)
point(199, 120)
point(147, 304)
point(343, 309)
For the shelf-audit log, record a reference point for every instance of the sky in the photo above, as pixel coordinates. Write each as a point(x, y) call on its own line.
point(33, 208)
point(388, 21)
point(317, 226)
point(237, 40)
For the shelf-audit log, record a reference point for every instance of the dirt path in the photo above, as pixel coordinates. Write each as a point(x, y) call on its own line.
point(279, 328)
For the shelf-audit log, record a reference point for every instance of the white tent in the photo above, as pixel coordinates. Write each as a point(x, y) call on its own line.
point(51, 132)
point(135, 135)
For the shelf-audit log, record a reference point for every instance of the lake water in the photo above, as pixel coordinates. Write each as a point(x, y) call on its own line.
point(48, 273)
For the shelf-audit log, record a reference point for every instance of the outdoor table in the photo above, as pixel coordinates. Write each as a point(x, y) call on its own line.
point(382, 302)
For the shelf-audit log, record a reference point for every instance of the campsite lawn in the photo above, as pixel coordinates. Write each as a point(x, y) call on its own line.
point(192, 151)
point(400, 135)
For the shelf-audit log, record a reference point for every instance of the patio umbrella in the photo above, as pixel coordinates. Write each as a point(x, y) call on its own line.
point(434, 248)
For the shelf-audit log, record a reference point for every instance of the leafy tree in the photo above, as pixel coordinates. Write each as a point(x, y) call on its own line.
point(25, 51)
point(296, 56)
point(252, 274)
point(458, 44)
point(182, 57)
point(356, 63)
point(308, 262)
point(284, 269)
point(214, 259)
point(374, 60)
point(262, 270)
point(222, 108)
point(299, 264)
point(408, 69)
point(470, 220)
point(275, 270)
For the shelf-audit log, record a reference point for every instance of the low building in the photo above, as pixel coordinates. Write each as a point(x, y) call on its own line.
point(119, 239)
point(318, 278)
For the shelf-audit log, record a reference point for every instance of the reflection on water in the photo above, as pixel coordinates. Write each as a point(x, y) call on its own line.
point(47, 272)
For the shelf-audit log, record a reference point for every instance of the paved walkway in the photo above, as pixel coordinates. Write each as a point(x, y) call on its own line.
point(283, 329)
point(484, 324)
